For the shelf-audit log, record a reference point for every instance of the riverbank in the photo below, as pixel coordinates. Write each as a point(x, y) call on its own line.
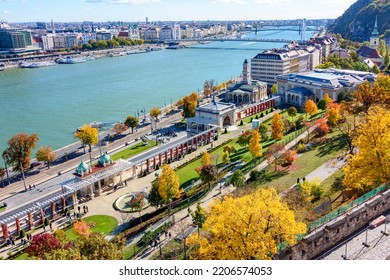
point(119, 51)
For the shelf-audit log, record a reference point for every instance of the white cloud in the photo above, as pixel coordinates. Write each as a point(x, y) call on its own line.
point(262, 2)
point(271, 2)
point(229, 2)
point(5, 12)
point(87, 8)
point(131, 2)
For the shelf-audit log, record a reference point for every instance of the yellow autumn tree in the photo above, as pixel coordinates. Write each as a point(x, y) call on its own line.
point(247, 227)
point(277, 127)
point(206, 160)
point(333, 114)
point(168, 183)
point(369, 167)
point(88, 135)
point(155, 112)
point(310, 107)
point(46, 154)
point(255, 147)
point(327, 98)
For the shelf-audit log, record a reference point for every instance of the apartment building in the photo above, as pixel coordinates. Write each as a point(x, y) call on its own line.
point(293, 58)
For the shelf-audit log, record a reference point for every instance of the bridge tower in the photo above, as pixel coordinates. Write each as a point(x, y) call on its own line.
point(303, 30)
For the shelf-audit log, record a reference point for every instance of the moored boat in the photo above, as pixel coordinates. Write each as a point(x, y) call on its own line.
point(70, 60)
point(38, 64)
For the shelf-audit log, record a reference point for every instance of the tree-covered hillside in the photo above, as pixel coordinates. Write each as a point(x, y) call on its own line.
point(357, 22)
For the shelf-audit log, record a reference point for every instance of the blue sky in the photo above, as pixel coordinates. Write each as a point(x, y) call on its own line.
point(173, 10)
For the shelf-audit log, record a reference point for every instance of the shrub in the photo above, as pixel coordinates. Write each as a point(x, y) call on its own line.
point(22, 233)
point(145, 172)
point(225, 130)
point(216, 137)
point(261, 115)
point(301, 148)
point(157, 166)
point(255, 175)
point(46, 222)
point(266, 112)
point(169, 161)
point(241, 123)
point(272, 109)
point(251, 119)
point(257, 117)
point(276, 107)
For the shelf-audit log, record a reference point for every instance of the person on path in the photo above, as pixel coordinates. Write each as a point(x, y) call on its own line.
point(78, 207)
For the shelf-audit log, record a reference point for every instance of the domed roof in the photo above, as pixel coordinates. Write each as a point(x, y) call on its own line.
point(104, 159)
point(82, 168)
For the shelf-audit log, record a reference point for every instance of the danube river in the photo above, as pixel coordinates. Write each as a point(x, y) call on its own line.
point(54, 101)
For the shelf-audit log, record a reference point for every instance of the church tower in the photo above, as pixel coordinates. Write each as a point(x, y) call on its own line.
point(374, 39)
point(246, 73)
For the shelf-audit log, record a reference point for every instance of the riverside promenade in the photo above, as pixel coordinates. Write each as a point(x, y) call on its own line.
point(102, 205)
point(45, 174)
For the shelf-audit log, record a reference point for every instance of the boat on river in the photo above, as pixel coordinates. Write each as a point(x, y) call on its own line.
point(70, 60)
point(38, 64)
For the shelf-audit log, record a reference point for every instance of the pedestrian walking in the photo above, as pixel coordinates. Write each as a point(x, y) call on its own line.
point(78, 207)
point(86, 208)
point(169, 235)
point(51, 226)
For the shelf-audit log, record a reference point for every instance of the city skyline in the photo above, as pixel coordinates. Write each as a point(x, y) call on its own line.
point(167, 10)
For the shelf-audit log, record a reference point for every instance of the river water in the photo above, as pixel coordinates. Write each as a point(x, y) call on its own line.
point(54, 101)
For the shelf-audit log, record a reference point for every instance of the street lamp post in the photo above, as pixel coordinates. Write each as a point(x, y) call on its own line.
point(24, 179)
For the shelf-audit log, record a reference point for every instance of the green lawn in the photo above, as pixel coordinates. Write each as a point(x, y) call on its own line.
point(2, 208)
point(103, 224)
point(133, 150)
point(128, 252)
point(306, 163)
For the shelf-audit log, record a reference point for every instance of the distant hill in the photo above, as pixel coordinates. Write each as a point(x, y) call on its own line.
point(357, 22)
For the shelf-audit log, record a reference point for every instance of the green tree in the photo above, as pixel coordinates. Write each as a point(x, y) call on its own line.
point(46, 154)
point(131, 122)
point(274, 89)
point(375, 69)
point(199, 216)
point(263, 129)
point(226, 157)
point(243, 139)
point(238, 179)
point(292, 112)
point(154, 196)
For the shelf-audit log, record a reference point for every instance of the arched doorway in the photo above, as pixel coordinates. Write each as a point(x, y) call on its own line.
point(227, 121)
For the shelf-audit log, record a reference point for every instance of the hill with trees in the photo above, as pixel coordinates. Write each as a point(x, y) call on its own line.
point(358, 20)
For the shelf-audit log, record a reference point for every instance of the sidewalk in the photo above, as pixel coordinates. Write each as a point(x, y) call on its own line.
point(184, 220)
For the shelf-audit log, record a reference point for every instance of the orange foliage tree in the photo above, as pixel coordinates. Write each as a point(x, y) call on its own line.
point(290, 156)
point(81, 228)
